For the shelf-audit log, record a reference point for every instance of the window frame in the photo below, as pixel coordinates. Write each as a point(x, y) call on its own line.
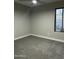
point(55, 20)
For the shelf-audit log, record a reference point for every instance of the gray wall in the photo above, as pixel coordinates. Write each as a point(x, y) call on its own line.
point(38, 21)
point(21, 20)
point(43, 21)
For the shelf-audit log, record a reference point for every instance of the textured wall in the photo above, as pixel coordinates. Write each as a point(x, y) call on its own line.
point(21, 20)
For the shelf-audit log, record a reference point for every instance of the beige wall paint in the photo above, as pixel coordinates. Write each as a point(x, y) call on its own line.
point(43, 21)
point(21, 20)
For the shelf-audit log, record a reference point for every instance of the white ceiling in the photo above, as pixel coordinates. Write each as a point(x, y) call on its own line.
point(40, 2)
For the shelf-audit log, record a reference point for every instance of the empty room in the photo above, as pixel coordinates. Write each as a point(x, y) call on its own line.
point(38, 29)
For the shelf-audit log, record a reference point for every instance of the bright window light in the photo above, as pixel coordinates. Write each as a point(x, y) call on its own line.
point(34, 1)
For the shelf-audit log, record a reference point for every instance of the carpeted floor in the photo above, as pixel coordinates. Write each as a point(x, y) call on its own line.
point(38, 48)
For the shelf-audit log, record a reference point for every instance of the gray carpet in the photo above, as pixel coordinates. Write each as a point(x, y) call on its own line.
point(38, 48)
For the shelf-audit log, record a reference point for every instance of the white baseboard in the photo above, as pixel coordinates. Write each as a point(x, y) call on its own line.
point(22, 37)
point(59, 40)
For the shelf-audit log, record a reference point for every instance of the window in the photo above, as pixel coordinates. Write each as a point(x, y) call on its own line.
point(59, 20)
